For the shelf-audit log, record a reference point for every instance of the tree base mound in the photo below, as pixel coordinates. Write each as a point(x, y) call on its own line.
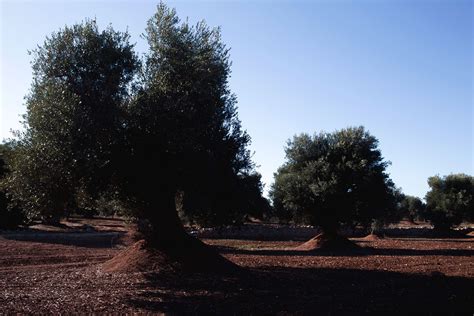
point(325, 242)
point(195, 258)
point(373, 237)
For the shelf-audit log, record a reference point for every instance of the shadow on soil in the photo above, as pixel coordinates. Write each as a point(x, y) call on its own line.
point(83, 239)
point(437, 239)
point(289, 233)
point(363, 251)
point(306, 291)
point(100, 221)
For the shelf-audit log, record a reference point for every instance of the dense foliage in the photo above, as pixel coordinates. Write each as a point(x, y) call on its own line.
point(184, 134)
point(411, 207)
point(333, 178)
point(11, 216)
point(80, 86)
point(450, 200)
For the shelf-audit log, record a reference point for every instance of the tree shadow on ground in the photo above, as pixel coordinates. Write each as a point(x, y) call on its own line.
point(419, 239)
point(99, 221)
point(270, 233)
point(83, 239)
point(362, 251)
point(305, 291)
point(427, 233)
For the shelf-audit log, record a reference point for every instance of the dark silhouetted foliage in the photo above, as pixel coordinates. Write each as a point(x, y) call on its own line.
point(183, 133)
point(412, 208)
point(11, 216)
point(450, 200)
point(232, 203)
point(333, 178)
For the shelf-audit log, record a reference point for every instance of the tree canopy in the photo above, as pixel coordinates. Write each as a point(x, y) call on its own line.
point(183, 133)
point(333, 178)
point(81, 83)
point(450, 200)
point(411, 207)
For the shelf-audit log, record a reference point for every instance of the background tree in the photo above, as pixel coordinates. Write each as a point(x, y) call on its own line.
point(450, 200)
point(333, 178)
point(392, 214)
point(411, 207)
point(81, 80)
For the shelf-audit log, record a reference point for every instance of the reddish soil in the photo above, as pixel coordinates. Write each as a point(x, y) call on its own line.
point(62, 274)
point(191, 256)
point(138, 258)
point(372, 237)
point(323, 242)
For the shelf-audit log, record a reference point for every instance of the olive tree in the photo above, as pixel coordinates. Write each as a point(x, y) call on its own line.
point(412, 207)
point(184, 139)
point(102, 123)
point(331, 179)
point(450, 200)
point(81, 79)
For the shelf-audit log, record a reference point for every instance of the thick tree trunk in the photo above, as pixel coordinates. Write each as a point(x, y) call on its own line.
point(52, 220)
point(169, 247)
point(330, 231)
point(411, 219)
point(167, 230)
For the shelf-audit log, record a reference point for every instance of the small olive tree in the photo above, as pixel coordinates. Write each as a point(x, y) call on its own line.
point(412, 207)
point(333, 178)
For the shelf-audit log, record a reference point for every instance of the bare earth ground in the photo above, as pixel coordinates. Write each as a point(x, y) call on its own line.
point(58, 271)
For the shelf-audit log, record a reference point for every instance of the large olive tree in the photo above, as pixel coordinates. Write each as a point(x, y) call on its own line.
point(183, 138)
point(146, 133)
point(81, 84)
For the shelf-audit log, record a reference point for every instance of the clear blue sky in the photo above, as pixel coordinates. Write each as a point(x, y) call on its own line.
point(403, 69)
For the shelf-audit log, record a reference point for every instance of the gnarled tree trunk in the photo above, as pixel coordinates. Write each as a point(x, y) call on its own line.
point(168, 247)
